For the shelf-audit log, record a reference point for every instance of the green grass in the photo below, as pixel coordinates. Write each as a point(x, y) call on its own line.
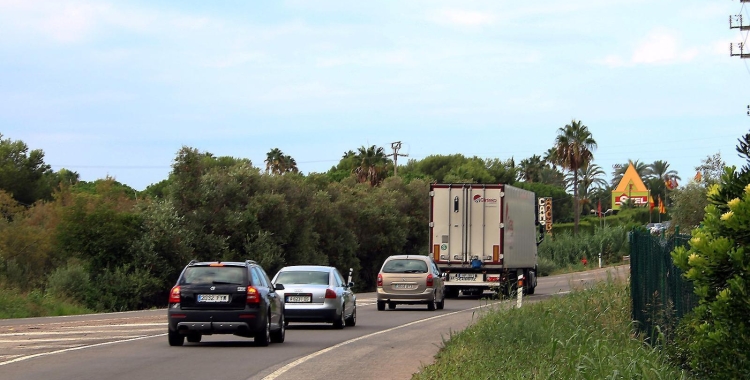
point(584, 335)
point(17, 304)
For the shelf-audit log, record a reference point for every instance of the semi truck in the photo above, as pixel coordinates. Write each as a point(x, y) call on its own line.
point(484, 237)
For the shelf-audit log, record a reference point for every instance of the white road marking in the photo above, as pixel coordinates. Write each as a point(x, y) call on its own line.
point(30, 341)
point(79, 332)
point(299, 361)
point(77, 348)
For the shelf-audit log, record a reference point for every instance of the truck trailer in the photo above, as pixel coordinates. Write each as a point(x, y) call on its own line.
point(483, 237)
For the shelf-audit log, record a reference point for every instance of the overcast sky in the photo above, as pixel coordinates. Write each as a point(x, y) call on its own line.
point(117, 88)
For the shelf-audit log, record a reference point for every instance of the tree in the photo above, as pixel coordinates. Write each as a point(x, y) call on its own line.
point(288, 164)
point(590, 178)
point(716, 334)
point(22, 172)
point(688, 206)
point(500, 171)
point(274, 161)
point(574, 147)
point(711, 169)
point(530, 169)
point(372, 164)
point(660, 169)
point(641, 168)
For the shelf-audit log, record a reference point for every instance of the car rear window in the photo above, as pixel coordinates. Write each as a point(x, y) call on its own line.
point(303, 277)
point(405, 266)
point(214, 275)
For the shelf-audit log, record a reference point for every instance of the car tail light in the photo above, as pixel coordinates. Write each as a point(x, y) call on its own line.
point(330, 293)
point(380, 280)
point(252, 295)
point(430, 280)
point(174, 295)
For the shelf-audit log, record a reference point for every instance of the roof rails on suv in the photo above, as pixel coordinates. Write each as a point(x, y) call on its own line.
point(230, 297)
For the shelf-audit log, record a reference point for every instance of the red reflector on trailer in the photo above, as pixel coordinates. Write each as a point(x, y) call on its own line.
point(245, 316)
point(178, 315)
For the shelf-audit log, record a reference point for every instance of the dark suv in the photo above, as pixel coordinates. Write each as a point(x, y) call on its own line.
point(225, 298)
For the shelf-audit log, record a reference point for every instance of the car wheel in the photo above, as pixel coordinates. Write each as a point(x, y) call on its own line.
point(392, 305)
point(262, 338)
point(441, 304)
point(431, 305)
point(194, 338)
point(339, 323)
point(279, 335)
point(352, 320)
point(175, 338)
point(381, 305)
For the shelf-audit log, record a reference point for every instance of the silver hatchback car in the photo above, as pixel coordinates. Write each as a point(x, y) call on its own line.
point(410, 279)
point(314, 293)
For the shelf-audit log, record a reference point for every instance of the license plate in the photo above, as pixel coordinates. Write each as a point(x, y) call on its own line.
point(404, 286)
point(213, 297)
point(298, 299)
point(463, 276)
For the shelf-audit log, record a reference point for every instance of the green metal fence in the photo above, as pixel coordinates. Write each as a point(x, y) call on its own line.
point(661, 296)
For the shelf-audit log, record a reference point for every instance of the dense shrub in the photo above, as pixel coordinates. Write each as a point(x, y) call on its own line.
point(714, 340)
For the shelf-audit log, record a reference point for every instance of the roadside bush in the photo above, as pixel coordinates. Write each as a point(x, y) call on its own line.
point(545, 266)
point(565, 249)
point(126, 289)
point(71, 281)
point(716, 336)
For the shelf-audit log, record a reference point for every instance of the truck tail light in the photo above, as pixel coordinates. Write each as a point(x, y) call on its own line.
point(174, 295)
point(430, 280)
point(253, 297)
point(330, 294)
point(380, 280)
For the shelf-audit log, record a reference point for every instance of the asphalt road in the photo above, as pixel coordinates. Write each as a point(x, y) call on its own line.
point(390, 344)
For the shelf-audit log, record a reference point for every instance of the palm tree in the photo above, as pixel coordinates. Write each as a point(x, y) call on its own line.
point(641, 168)
point(288, 164)
point(273, 161)
point(550, 156)
point(530, 169)
point(660, 172)
point(574, 147)
point(660, 169)
point(372, 164)
point(590, 178)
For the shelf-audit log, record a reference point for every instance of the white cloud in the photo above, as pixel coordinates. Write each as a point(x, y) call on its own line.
point(459, 17)
point(660, 47)
point(236, 59)
point(370, 58)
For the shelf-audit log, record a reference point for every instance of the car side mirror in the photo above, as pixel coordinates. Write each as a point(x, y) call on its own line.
point(278, 287)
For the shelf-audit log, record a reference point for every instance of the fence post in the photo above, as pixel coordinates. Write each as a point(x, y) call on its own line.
point(519, 302)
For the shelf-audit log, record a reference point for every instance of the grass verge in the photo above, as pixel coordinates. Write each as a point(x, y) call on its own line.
point(587, 334)
point(16, 304)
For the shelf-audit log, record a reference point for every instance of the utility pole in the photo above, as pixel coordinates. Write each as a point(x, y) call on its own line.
point(736, 22)
point(396, 146)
